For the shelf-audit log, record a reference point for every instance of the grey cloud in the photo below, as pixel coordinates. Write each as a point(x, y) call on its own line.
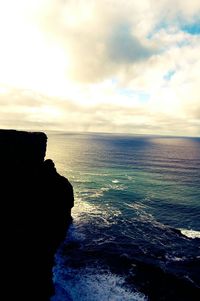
point(123, 47)
point(103, 44)
point(96, 56)
point(100, 47)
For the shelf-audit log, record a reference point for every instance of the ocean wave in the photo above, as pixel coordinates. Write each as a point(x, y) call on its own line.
point(86, 214)
point(92, 193)
point(190, 233)
point(117, 186)
point(73, 235)
point(174, 258)
point(83, 207)
point(144, 216)
point(115, 181)
point(89, 285)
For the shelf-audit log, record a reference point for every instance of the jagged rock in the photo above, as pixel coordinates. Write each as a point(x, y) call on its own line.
point(35, 211)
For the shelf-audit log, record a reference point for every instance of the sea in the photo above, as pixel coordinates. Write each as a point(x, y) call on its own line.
point(136, 221)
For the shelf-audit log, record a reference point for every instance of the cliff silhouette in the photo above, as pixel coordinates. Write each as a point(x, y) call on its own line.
point(35, 211)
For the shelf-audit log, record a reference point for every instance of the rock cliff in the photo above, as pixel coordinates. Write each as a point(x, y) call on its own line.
point(35, 211)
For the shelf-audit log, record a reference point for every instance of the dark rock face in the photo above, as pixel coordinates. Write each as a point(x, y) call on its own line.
point(22, 147)
point(35, 212)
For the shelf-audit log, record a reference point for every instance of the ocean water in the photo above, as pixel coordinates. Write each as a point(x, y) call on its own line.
point(132, 194)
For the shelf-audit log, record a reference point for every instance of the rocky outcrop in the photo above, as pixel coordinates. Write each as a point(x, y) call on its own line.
point(35, 211)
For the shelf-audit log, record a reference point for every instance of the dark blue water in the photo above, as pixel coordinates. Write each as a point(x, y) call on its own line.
point(132, 194)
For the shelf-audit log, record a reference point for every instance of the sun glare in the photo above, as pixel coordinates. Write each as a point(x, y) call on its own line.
point(95, 59)
point(28, 59)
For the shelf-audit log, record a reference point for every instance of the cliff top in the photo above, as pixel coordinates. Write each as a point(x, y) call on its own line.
point(18, 147)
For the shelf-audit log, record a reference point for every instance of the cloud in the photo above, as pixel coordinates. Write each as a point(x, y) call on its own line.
point(73, 65)
point(124, 48)
point(99, 38)
point(63, 114)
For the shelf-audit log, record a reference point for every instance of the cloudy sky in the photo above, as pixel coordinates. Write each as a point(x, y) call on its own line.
point(101, 66)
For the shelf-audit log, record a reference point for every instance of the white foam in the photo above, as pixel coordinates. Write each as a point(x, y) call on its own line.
point(85, 211)
point(117, 186)
point(84, 285)
point(115, 181)
point(174, 258)
point(190, 233)
point(130, 178)
point(74, 235)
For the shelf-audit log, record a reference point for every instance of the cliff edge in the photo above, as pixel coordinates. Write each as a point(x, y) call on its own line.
point(35, 211)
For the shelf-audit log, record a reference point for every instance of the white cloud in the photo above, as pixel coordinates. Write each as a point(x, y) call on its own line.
point(85, 64)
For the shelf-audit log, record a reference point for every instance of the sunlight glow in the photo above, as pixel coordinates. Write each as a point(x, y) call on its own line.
point(27, 58)
point(74, 60)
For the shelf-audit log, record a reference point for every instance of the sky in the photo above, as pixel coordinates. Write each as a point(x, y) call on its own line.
point(118, 66)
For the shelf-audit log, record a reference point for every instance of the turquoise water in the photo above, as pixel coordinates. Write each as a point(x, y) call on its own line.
point(131, 192)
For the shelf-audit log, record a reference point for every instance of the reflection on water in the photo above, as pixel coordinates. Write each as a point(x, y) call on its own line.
point(131, 196)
